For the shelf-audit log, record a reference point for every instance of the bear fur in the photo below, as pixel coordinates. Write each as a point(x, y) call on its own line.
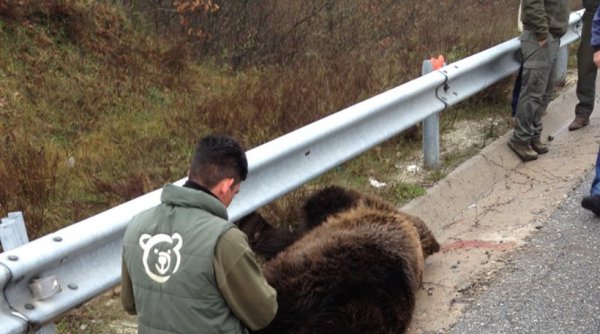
point(332, 200)
point(355, 267)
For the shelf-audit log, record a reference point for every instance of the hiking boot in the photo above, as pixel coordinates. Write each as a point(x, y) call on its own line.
point(522, 150)
point(579, 122)
point(592, 203)
point(536, 145)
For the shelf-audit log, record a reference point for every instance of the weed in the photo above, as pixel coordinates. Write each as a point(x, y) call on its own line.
point(404, 192)
point(28, 177)
point(435, 176)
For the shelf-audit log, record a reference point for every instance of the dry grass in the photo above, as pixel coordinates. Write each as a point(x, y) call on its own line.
point(122, 108)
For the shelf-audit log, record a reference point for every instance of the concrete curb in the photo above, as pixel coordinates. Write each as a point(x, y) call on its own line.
point(490, 205)
point(478, 176)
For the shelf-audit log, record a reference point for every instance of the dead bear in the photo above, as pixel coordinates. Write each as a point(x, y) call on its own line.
point(332, 200)
point(355, 269)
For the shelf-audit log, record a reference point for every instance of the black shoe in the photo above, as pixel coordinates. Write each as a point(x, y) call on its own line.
point(592, 203)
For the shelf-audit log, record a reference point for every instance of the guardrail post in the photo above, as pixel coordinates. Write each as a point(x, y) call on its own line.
point(431, 141)
point(431, 125)
point(560, 67)
point(12, 231)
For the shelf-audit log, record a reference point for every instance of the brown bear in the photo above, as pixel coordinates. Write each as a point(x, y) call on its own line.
point(332, 200)
point(354, 269)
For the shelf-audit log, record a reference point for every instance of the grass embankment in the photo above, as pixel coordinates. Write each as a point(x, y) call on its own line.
point(98, 108)
point(100, 104)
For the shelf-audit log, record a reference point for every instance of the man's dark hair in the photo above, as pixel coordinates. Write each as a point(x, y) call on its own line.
point(218, 157)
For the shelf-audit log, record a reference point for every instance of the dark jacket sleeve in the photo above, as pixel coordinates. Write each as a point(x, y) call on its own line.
point(127, 299)
point(590, 4)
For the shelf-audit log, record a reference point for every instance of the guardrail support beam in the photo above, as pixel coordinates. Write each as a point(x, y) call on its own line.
point(560, 66)
point(431, 141)
point(12, 231)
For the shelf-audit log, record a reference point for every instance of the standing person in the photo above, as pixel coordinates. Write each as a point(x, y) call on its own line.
point(586, 70)
point(592, 202)
point(185, 268)
point(544, 22)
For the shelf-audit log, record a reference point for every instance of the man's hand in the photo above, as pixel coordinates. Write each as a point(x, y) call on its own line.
point(597, 58)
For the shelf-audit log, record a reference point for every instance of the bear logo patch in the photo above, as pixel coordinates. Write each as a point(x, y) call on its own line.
point(161, 255)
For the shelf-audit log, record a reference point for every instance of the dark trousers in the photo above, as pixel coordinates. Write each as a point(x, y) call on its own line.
point(586, 69)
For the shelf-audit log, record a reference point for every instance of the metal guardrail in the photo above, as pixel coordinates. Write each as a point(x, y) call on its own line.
point(51, 275)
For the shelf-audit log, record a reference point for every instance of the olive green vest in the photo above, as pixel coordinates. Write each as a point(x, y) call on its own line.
point(169, 251)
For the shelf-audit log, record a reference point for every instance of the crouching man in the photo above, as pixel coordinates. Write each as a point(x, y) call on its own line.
point(186, 268)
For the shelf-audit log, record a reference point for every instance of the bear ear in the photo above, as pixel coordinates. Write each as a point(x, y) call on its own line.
point(177, 245)
point(144, 240)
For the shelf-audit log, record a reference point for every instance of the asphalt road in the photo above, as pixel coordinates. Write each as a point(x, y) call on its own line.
point(551, 284)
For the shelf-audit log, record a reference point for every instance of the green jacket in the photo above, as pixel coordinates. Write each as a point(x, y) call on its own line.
point(168, 253)
point(545, 17)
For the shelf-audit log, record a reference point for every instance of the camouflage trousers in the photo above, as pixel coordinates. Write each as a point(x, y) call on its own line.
point(536, 87)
